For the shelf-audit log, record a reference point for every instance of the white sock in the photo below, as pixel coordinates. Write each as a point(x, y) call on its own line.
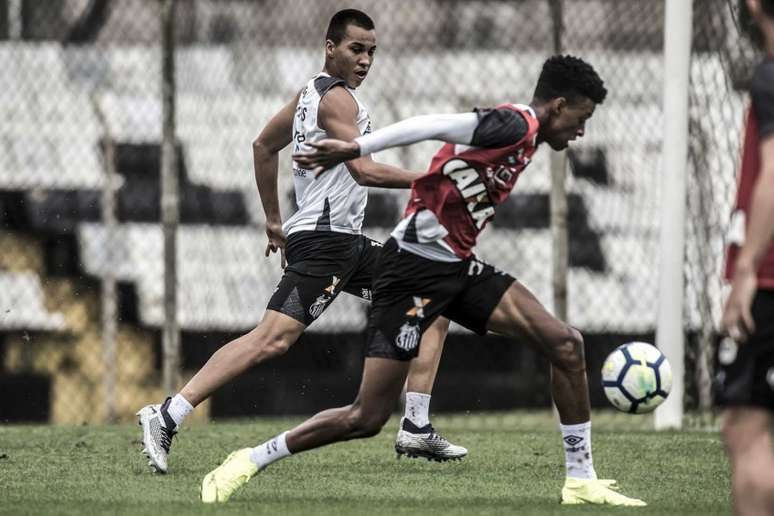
point(577, 450)
point(179, 408)
point(418, 408)
point(270, 451)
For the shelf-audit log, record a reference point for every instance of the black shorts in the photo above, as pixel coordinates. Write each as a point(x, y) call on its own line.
point(410, 292)
point(320, 266)
point(745, 372)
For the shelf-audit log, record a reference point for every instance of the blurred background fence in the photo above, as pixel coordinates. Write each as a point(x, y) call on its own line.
point(81, 102)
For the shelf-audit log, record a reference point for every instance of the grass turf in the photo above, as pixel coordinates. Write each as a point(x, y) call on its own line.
point(515, 466)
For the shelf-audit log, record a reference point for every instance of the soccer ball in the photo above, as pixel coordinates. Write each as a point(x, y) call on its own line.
point(636, 377)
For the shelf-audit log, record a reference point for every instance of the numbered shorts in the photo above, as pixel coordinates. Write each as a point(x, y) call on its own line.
point(320, 266)
point(745, 373)
point(410, 292)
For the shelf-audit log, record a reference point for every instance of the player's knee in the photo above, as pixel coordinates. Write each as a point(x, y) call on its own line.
point(268, 343)
point(731, 434)
point(739, 436)
point(366, 423)
point(568, 351)
point(761, 483)
point(277, 344)
point(750, 481)
point(281, 343)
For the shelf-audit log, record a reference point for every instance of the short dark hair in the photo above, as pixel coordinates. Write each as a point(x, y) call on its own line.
point(569, 77)
point(746, 25)
point(337, 28)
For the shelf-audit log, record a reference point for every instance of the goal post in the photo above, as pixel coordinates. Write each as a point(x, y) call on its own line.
point(670, 337)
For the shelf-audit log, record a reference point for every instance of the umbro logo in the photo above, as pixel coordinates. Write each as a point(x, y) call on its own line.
point(573, 440)
point(332, 286)
point(418, 310)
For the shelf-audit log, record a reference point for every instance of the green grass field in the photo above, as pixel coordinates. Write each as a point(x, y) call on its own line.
point(515, 466)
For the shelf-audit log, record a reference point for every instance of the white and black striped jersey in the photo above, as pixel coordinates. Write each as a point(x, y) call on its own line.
point(333, 201)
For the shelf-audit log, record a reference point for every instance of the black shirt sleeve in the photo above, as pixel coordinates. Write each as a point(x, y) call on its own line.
point(498, 128)
point(762, 92)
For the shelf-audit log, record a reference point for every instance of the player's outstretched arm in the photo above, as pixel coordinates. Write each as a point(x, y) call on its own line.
point(337, 115)
point(277, 134)
point(327, 154)
point(489, 128)
point(451, 128)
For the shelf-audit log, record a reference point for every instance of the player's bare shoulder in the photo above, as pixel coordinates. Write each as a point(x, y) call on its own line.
point(337, 103)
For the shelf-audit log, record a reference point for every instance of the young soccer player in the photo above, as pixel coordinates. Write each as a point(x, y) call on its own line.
point(745, 380)
point(428, 269)
point(325, 250)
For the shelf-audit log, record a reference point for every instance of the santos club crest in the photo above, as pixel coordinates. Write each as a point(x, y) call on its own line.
point(409, 335)
point(408, 338)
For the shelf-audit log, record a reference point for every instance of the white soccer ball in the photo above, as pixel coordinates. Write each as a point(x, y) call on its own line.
point(636, 377)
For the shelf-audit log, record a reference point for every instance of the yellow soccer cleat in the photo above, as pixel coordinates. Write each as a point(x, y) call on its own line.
point(226, 479)
point(578, 491)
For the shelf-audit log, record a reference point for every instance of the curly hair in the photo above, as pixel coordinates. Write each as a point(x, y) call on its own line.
point(569, 77)
point(746, 24)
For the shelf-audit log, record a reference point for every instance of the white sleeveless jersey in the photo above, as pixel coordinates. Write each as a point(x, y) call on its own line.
point(333, 201)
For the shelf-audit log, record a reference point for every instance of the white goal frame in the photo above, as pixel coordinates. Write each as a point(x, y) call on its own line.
point(670, 337)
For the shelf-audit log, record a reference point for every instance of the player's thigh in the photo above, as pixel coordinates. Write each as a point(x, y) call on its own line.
point(410, 293)
point(745, 376)
point(521, 316)
point(277, 326)
point(305, 297)
point(483, 289)
point(747, 432)
point(360, 283)
point(746, 421)
point(397, 325)
point(438, 330)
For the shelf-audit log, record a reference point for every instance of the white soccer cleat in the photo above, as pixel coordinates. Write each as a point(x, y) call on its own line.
point(413, 442)
point(157, 432)
point(225, 480)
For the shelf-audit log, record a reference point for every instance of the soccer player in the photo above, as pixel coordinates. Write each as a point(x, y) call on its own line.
point(326, 252)
point(428, 269)
point(745, 379)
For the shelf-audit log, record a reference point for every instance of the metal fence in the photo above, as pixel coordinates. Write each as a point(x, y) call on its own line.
point(82, 97)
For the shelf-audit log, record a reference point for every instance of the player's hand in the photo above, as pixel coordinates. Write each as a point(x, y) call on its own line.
point(276, 241)
point(737, 320)
point(328, 153)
